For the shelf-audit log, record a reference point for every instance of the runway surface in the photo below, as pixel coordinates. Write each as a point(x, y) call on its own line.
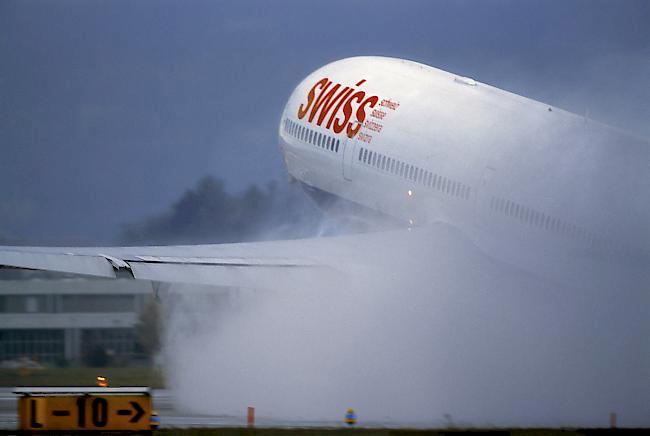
point(163, 401)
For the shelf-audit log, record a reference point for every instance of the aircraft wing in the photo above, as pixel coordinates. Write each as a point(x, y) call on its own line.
point(240, 264)
point(246, 264)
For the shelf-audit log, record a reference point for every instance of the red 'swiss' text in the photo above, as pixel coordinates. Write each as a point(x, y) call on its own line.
point(341, 108)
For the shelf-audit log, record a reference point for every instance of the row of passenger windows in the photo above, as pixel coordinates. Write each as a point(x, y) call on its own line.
point(534, 218)
point(413, 173)
point(313, 137)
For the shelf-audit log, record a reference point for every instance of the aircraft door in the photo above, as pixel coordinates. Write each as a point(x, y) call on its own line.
point(349, 148)
point(483, 197)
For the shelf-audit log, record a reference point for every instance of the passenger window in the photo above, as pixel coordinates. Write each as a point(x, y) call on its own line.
point(360, 153)
point(383, 163)
point(365, 155)
point(337, 145)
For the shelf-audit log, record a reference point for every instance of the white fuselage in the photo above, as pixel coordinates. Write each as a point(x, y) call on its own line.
point(423, 145)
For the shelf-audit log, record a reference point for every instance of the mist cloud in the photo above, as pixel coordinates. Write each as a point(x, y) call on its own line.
point(432, 328)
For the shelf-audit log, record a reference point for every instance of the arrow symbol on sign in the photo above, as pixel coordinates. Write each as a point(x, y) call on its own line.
point(139, 411)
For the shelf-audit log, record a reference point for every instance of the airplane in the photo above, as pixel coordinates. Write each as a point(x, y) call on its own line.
point(529, 184)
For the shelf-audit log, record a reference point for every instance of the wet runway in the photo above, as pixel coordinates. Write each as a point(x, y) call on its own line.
point(163, 401)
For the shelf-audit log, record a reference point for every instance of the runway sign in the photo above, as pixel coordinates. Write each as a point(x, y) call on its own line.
point(84, 409)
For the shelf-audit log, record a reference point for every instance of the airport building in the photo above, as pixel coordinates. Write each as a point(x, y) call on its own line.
point(66, 320)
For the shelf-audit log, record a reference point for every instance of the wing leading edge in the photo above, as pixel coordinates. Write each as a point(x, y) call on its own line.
point(209, 265)
point(268, 264)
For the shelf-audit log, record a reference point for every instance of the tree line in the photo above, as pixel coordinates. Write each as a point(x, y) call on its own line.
point(208, 213)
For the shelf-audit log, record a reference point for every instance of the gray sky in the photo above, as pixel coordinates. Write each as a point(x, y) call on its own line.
point(110, 110)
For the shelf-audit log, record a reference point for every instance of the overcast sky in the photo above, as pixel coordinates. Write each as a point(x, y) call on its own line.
point(110, 110)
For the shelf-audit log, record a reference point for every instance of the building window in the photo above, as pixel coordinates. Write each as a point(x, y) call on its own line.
point(42, 344)
point(98, 303)
point(114, 341)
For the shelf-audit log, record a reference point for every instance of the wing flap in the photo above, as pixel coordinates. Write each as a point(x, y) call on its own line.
point(60, 262)
point(245, 276)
